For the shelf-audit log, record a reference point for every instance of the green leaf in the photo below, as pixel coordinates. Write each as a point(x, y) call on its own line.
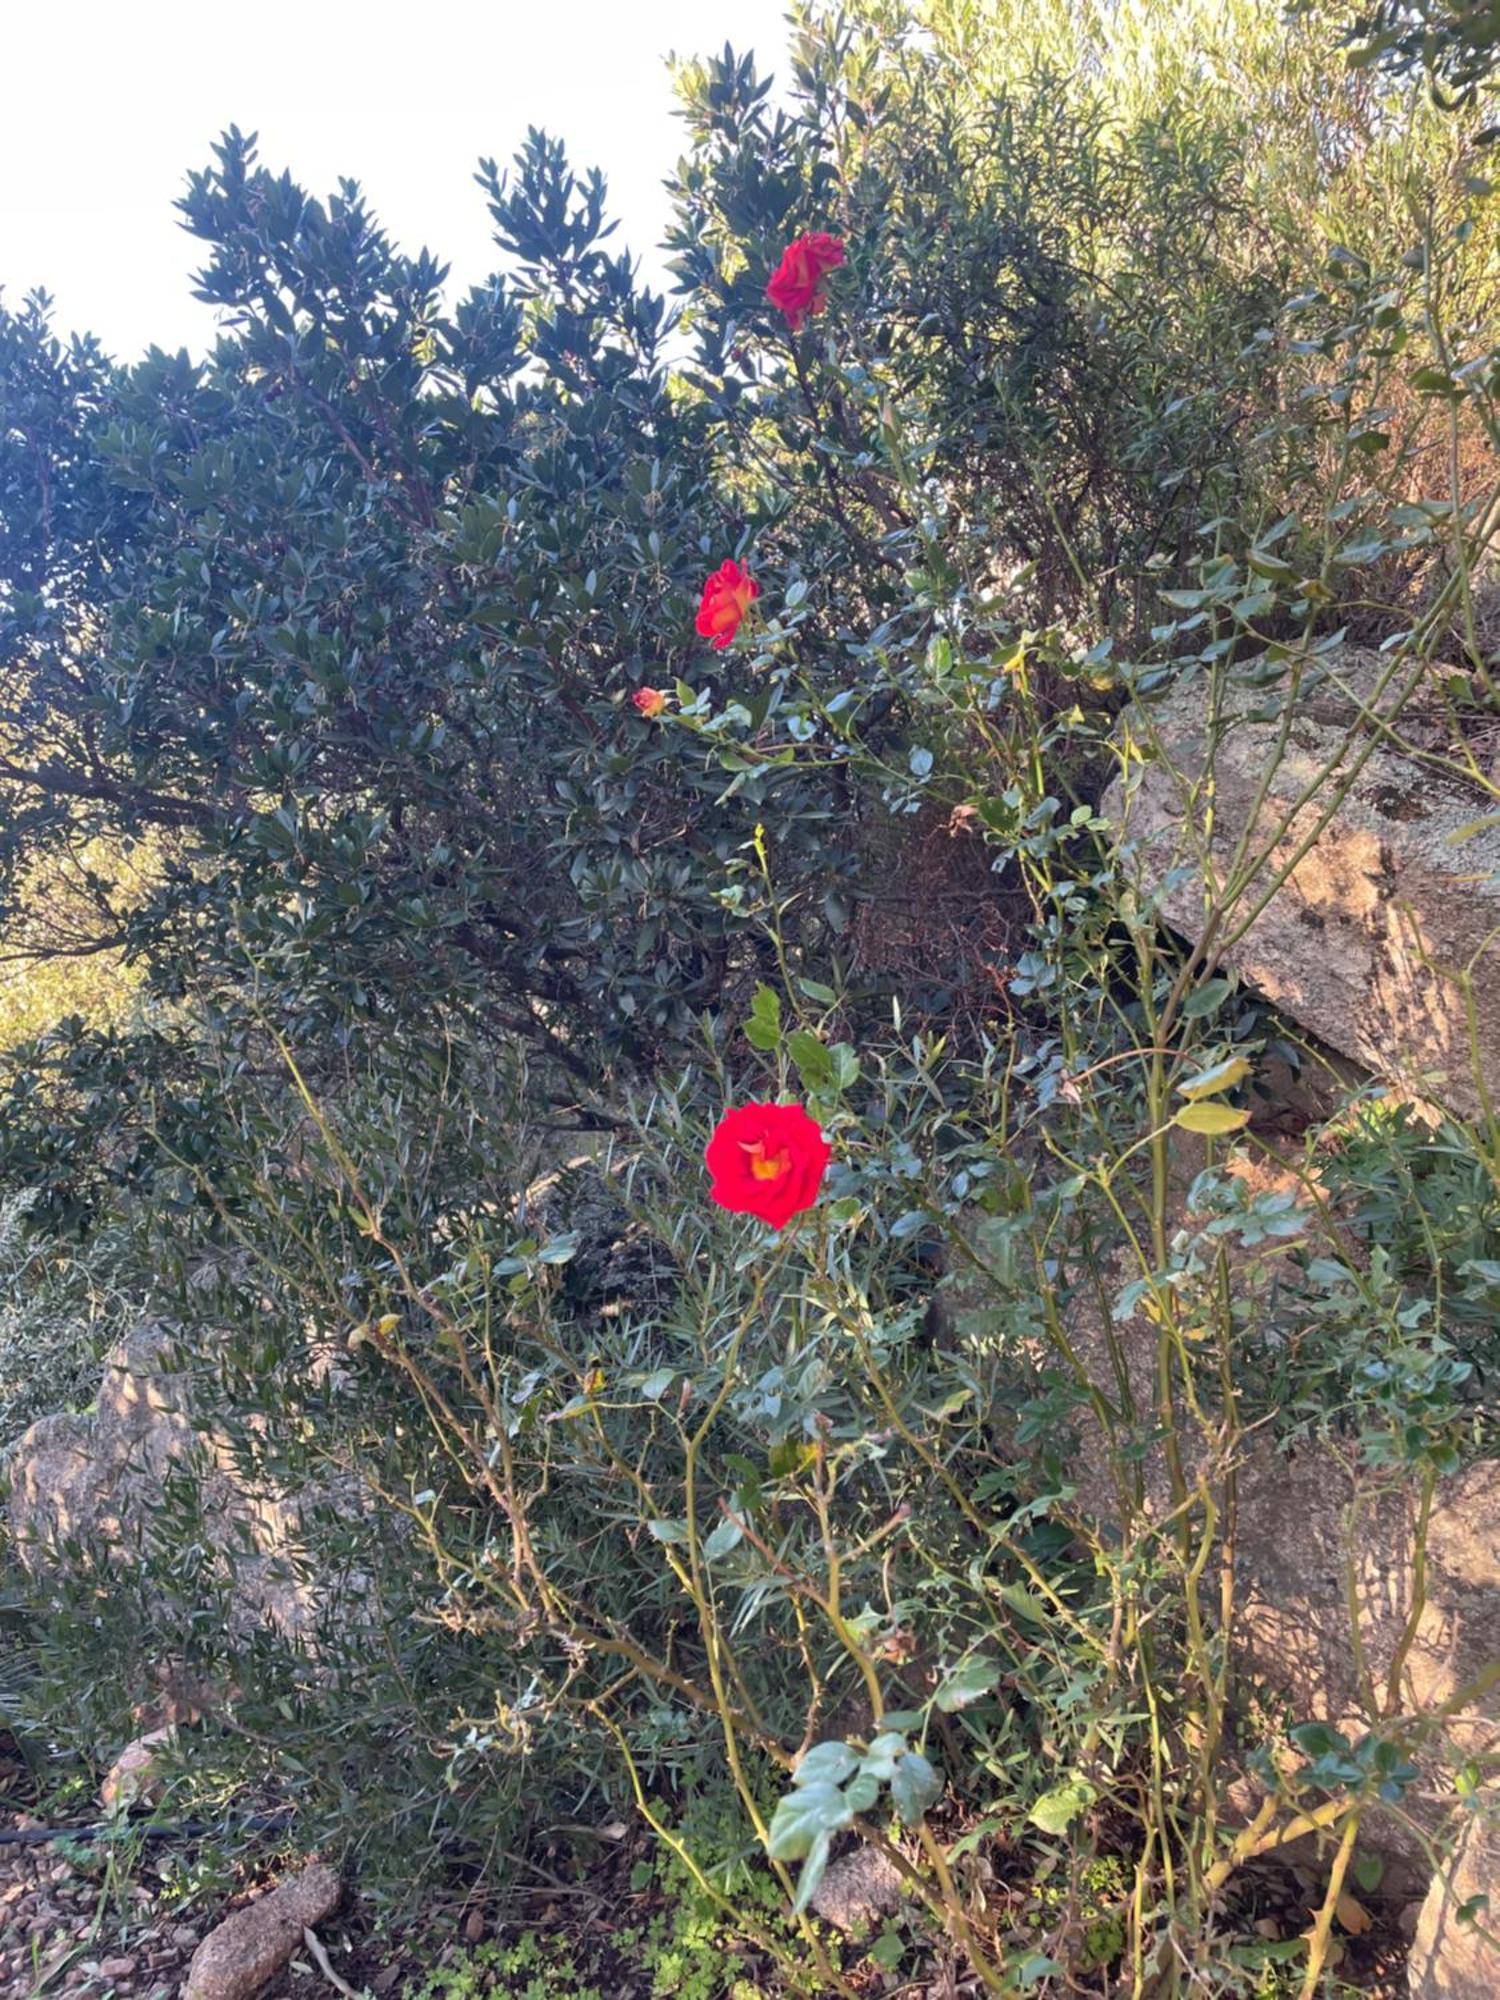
point(812, 1872)
point(1055, 1811)
point(1223, 1076)
point(968, 1683)
point(914, 1787)
point(1214, 1120)
point(1024, 1604)
point(1035, 1967)
point(1209, 997)
point(1368, 1869)
point(670, 1532)
point(763, 1029)
point(657, 1383)
point(807, 1813)
point(728, 1535)
point(826, 1764)
point(814, 1064)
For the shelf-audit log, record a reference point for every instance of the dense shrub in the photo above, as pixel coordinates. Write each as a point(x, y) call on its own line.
point(1133, 372)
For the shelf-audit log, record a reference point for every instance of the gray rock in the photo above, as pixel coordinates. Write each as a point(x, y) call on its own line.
point(1365, 940)
point(90, 1488)
point(857, 1890)
point(1308, 1526)
point(249, 1948)
point(1451, 1959)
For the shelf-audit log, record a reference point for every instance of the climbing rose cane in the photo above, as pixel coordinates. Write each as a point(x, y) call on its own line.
point(766, 1160)
point(650, 701)
point(727, 596)
point(799, 284)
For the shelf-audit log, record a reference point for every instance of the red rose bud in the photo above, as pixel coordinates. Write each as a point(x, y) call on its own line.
point(650, 701)
point(799, 284)
point(766, 1160)
point(727, 596)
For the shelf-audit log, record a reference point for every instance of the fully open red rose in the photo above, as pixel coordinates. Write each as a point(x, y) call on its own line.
point(727, 596)
point(650, 701)
point(766, 1160)
point(799, 284)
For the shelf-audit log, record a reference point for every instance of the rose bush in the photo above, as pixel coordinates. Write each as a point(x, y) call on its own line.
point(353, 629)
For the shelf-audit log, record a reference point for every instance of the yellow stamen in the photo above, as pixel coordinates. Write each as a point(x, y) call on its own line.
point(764, 1168)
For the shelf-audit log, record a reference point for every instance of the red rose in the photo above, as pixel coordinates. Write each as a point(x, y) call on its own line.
point(799, 284)
point(727, 596)
point(650, 701)
point(766, 1160)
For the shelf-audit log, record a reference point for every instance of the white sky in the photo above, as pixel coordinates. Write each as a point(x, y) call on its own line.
point(108, 103)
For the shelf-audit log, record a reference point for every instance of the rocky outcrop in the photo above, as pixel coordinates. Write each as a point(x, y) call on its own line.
point(91, 1488)
point(1313, 1528)
point(1455, 1954)
point(1386, 930)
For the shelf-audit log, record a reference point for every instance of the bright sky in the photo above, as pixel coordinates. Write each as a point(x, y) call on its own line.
point(109, 104)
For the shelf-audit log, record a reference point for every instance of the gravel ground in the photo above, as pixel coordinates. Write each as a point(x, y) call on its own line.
point(61, 1933)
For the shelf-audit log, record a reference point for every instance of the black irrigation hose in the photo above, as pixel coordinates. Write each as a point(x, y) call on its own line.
point(187, 1829)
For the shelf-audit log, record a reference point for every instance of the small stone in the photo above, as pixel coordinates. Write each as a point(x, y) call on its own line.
point(185, 1936)
point(118, 1968)
point(385, 1979)
point(136, 1777)
point(474, 1926)
point(253, 1945)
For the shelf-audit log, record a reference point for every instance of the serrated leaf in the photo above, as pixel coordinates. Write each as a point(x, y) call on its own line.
point(807, 1813)
point(862, 1791)
point(1213, 1120)
point(1024, 1604)
point(763, 1029)
point(914, 1787)
point(1055, 1811)
point(845, 1065)
point(826, 1764)
point(814, 1063)
point(966, 1684)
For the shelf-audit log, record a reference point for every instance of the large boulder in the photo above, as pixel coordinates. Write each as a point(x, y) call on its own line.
point(94, 1488)
point(1315, 1529)
point(1455, 1954)
point(1387, 926)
